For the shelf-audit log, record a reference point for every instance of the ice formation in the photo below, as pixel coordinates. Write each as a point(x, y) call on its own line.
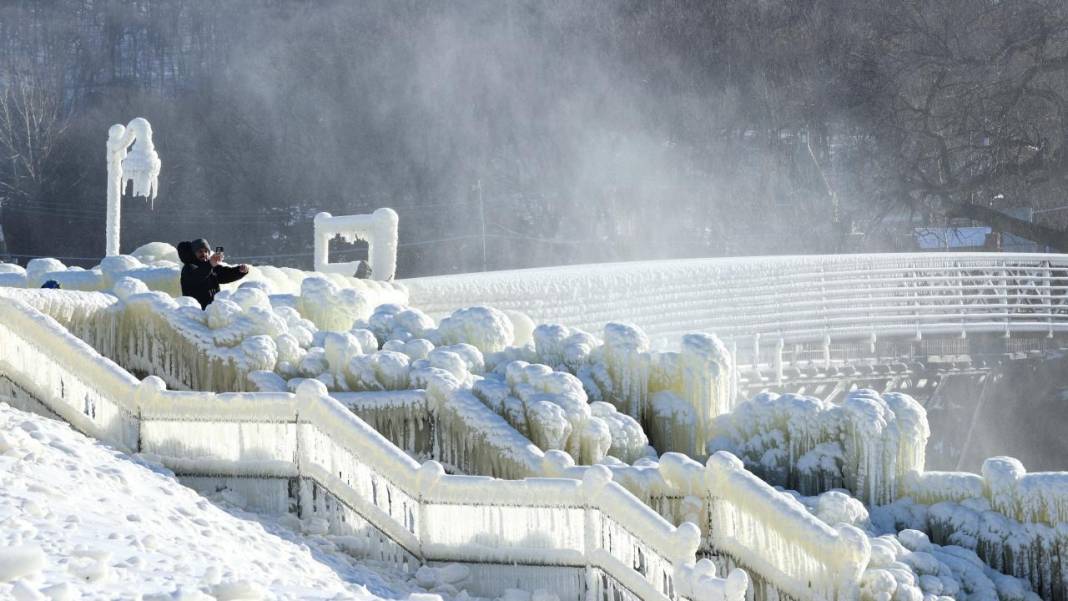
point(552, 410)
point(1013, 520)
point(866, 444)
point(362, 486)
point(157, 265)
point(379, 229)
point(673, 396)
point(139, 165)
point(908, 566)
point(494, 384)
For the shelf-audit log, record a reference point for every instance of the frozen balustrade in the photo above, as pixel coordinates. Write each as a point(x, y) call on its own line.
point(1040, 497)
point(754, 303)
point(1013, 520)
point(40, 361)
point(779, 539)
point(315, 439)
point(156, 264)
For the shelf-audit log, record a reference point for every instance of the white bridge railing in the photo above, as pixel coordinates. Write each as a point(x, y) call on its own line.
point(400, 510)
point(754, 301)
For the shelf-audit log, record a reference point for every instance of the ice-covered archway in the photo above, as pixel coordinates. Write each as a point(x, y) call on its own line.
point(379, 229)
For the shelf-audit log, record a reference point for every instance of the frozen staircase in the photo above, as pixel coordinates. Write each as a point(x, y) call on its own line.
point(579, 539)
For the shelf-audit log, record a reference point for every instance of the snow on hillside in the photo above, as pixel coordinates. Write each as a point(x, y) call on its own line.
point(83, 521)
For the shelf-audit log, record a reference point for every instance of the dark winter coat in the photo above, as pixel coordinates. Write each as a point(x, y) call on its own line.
point(199, 279)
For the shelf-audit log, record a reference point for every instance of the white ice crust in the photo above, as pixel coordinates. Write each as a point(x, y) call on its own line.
point(513, 399)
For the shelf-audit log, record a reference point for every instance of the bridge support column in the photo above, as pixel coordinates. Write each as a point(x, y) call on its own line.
point(779, 346)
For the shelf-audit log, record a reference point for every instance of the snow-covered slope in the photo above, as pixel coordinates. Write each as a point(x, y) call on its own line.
point(81, 520)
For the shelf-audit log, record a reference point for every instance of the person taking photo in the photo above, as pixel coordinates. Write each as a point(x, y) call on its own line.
point(203, 271)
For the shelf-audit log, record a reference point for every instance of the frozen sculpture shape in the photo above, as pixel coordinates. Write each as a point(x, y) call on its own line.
point(140, 165)
point(379, 229)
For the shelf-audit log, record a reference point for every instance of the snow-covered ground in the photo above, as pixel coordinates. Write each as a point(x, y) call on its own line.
point(79, 520)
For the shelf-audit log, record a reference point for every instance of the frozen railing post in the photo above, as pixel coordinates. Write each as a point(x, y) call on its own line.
point(705, 586)
point(140, 165)
point(1000, 478)
point(379, 229)
point(698, 580)
point(428, 478)
point(309, 393)
point(147, 395)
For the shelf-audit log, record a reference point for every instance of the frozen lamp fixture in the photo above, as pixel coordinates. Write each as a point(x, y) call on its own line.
point(139, 165)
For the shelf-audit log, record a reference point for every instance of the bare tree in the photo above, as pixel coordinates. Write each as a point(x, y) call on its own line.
point(970, 107)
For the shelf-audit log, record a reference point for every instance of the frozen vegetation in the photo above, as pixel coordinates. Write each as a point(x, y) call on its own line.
point(491, 392)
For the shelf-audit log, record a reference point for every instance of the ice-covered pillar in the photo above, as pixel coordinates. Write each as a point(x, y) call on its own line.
point(827, 351)
point(780, 344)
point(140, 165)
point(379, 229)
point(707, 382)
point(626, 358)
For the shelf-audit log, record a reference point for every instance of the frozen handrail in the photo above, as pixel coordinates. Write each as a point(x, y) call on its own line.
point(762, 300)
point(311, 435)
point(778, 538)
point(1039, 497)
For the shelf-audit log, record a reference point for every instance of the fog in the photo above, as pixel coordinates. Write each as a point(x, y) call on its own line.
point(587, 131)
point(512, 134)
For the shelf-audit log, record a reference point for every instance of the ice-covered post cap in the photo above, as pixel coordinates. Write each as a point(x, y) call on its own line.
point(1000, 477)
point(685, 541)
point(430, 473)
point(311, 389)
point(737, 585)
point(149, 389)
point(1009, 469)
point(720, 463)
point(595, 479)
point(555, 462)
point(858, 547)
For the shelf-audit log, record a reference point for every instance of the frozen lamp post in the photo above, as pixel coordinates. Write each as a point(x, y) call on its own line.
point(140, 165)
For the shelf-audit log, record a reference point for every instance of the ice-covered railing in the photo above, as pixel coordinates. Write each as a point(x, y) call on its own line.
point(156, 264)
point(626, 549)
point(466, 434)
point(737, 512)
point(1040, 497)
point(761, 302)
point(87, 390)
point(1015, 521)
point(778, 538)
point(242, 331)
